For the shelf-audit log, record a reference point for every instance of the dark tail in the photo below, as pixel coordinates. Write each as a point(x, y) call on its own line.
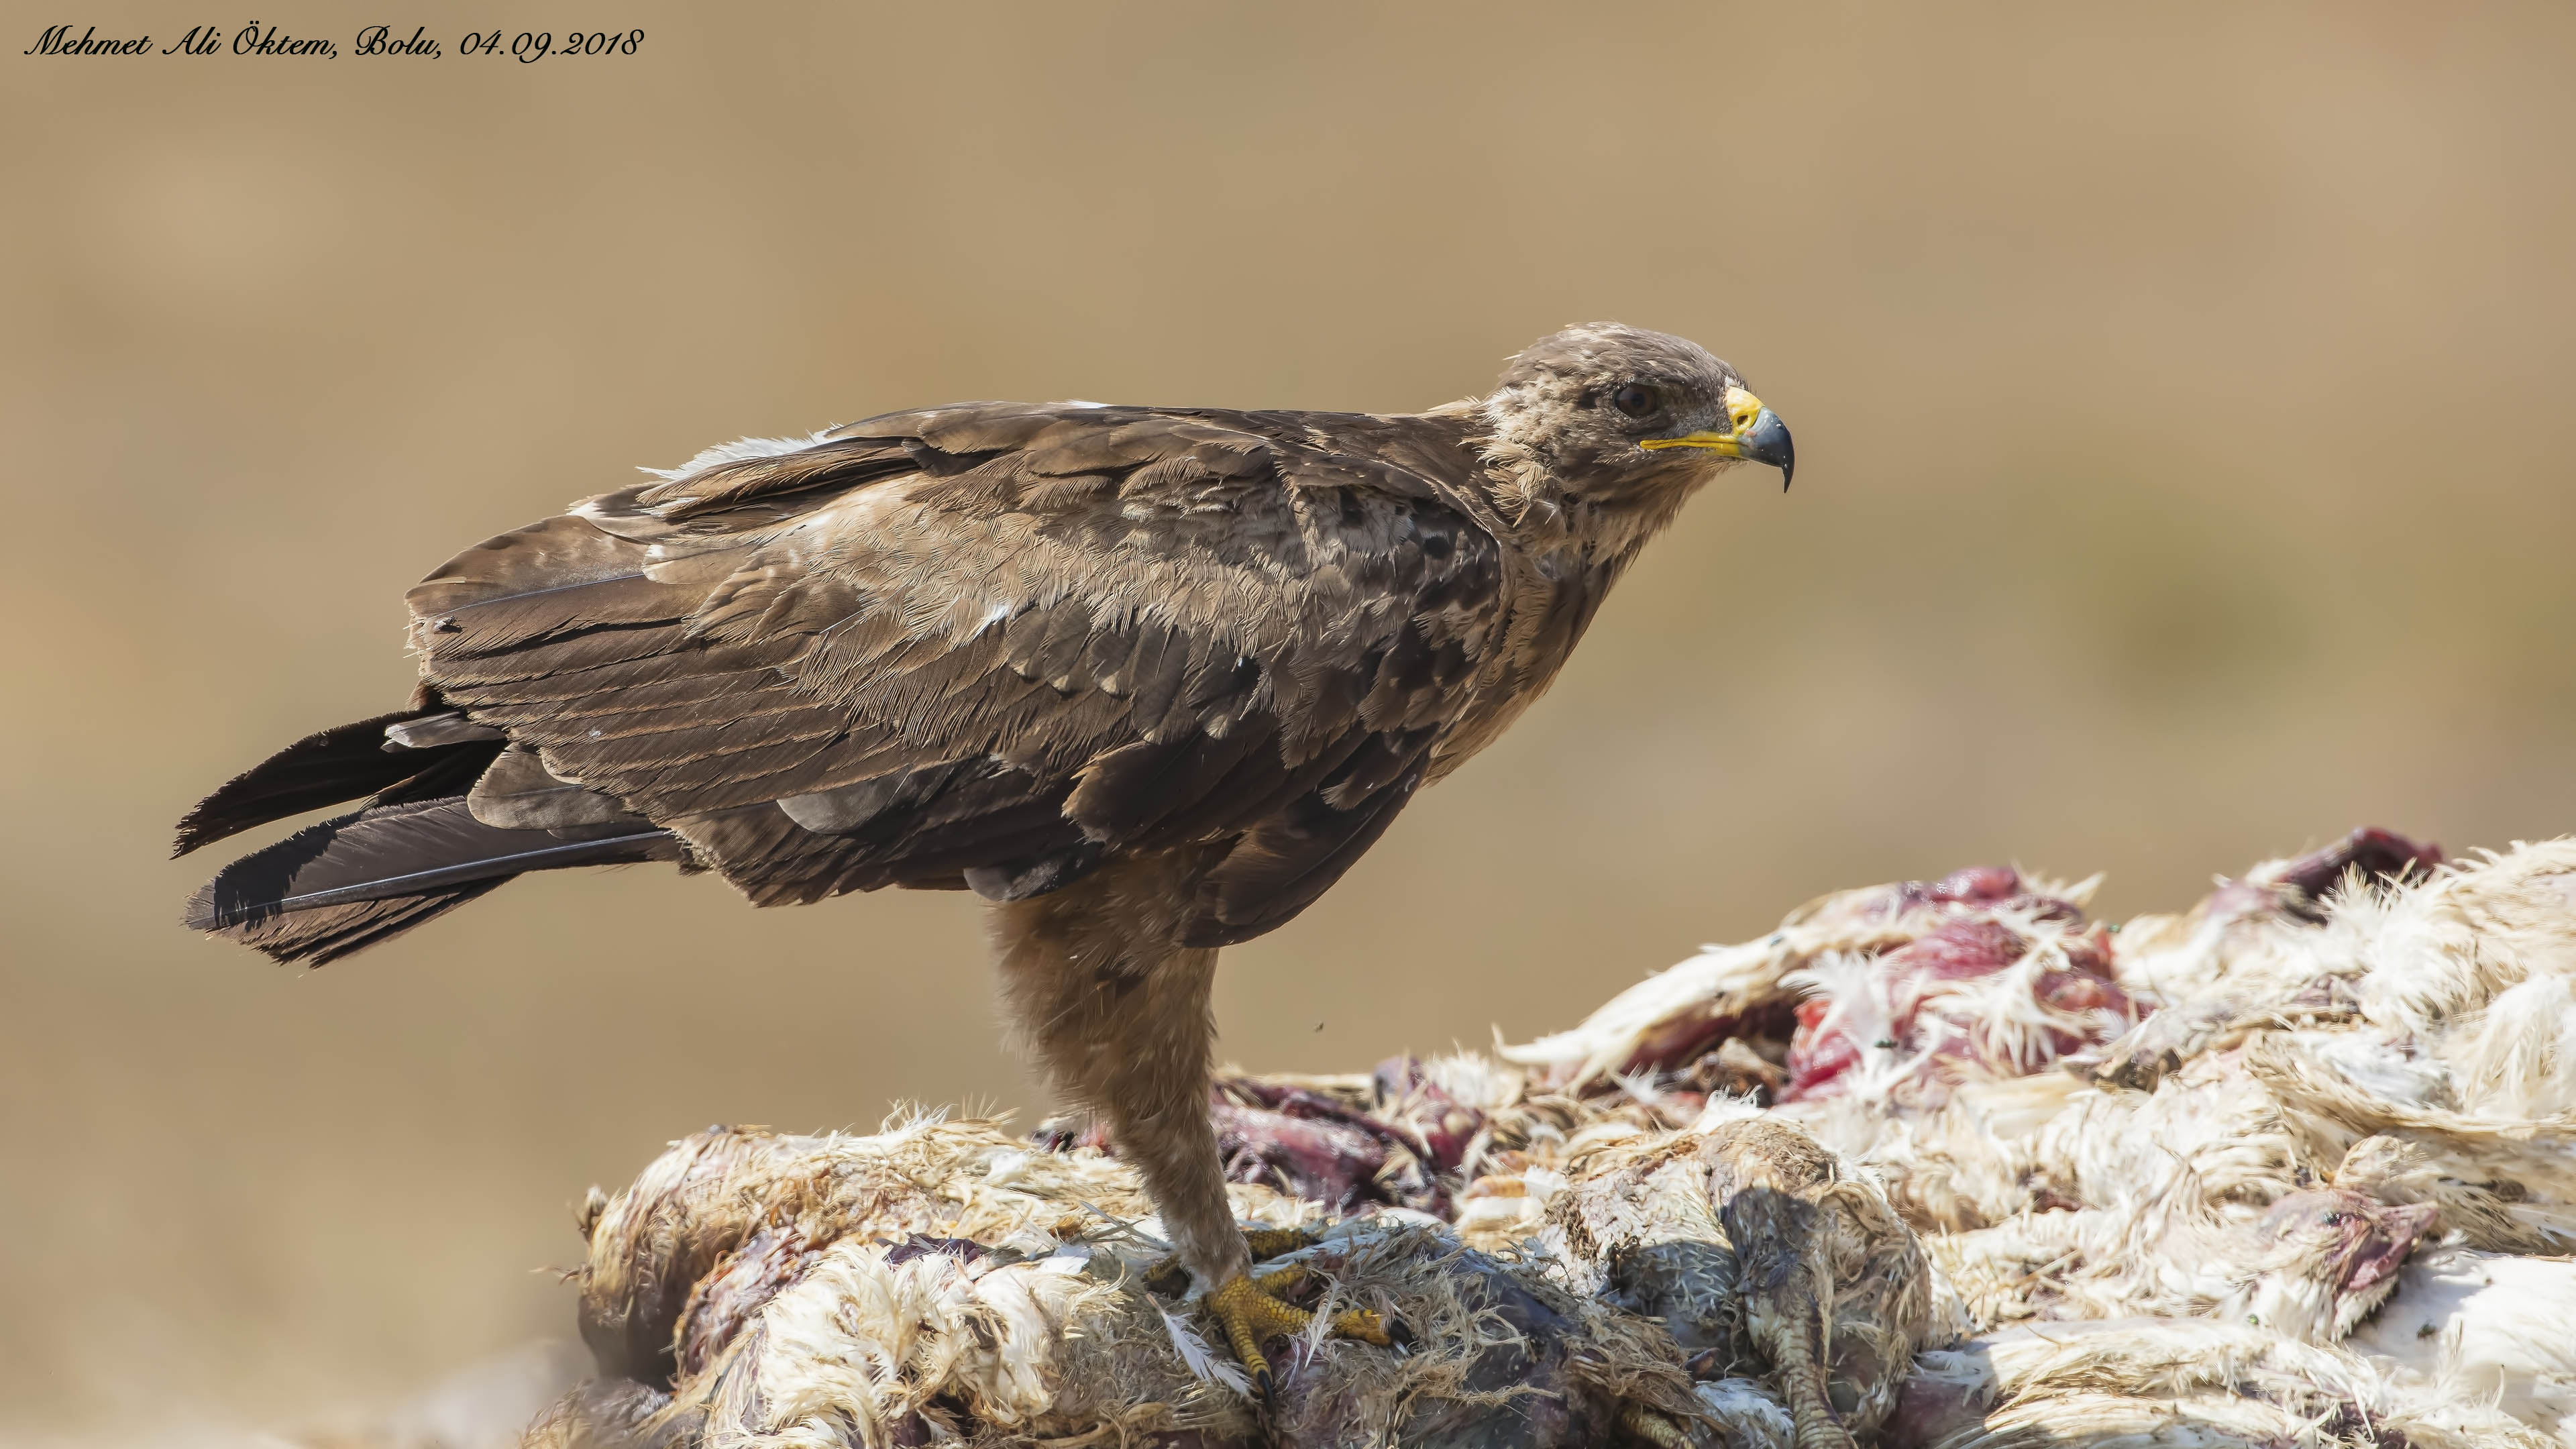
point(415, 851)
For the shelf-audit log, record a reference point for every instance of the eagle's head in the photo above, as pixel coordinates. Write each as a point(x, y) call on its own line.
point(1611, 412)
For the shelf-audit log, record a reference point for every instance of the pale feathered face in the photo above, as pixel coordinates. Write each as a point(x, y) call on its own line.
point(2328, 1258)
point(1607, 408)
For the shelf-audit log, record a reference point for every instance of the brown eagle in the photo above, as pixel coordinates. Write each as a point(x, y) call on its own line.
point(1147, 679)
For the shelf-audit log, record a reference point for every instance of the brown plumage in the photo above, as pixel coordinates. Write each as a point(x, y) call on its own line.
point(1150, 679)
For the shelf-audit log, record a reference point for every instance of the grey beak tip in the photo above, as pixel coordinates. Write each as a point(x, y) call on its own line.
point(1767, 441)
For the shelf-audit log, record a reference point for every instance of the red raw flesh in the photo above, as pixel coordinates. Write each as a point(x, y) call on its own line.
point(1816, 1058)
point(1956, 950)
point(1327, 1162)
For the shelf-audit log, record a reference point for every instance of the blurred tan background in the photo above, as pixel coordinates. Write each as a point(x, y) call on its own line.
point(2182, 406)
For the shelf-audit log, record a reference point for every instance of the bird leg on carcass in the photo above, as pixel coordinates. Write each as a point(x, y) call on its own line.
point(1095, 979)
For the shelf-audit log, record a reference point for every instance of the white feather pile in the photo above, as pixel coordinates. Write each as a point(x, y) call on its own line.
point(2295, 1167)
point(2317, 1092)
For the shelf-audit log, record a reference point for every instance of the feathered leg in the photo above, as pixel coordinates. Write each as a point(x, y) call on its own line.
point(1117, 1012)
point(1095, 980)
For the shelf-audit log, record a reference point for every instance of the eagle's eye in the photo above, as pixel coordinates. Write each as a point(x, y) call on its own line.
point(1637, 400)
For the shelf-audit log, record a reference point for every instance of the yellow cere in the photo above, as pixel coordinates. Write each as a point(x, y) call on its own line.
point(1741, 409)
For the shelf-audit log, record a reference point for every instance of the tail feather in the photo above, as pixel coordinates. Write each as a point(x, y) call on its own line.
point(323, 935)
point(326, 769)
point(345, 884)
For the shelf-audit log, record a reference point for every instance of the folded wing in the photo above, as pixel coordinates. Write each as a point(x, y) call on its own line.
point(988, 646)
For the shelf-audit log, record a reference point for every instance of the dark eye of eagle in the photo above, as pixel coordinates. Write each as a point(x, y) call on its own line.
point(1637, 400)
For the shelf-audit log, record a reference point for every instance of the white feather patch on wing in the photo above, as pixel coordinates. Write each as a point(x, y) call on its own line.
point(737, 451)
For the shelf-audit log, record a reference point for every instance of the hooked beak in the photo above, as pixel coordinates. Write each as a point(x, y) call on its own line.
point(1754, 432)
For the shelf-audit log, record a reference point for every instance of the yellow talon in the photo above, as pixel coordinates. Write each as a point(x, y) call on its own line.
point(1249, 1311)
point(1271, 1242)
point(1653, 1428)
point(1364, 1324)
point(1247, 1306)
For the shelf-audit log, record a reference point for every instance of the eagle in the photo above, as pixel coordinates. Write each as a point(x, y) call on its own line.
point(1148, 680)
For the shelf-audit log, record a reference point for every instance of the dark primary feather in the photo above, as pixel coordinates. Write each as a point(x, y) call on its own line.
point(314, 772)
point(332, 888)
point(321, 936)
point(390, 850)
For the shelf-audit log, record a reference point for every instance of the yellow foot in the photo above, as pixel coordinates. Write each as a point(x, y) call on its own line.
point(1647, 1426)
point(1249, 1310)
point(1271, 1242)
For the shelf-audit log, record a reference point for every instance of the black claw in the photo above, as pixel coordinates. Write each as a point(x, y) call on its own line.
point(1261, 1386)
point(1397, 1335)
